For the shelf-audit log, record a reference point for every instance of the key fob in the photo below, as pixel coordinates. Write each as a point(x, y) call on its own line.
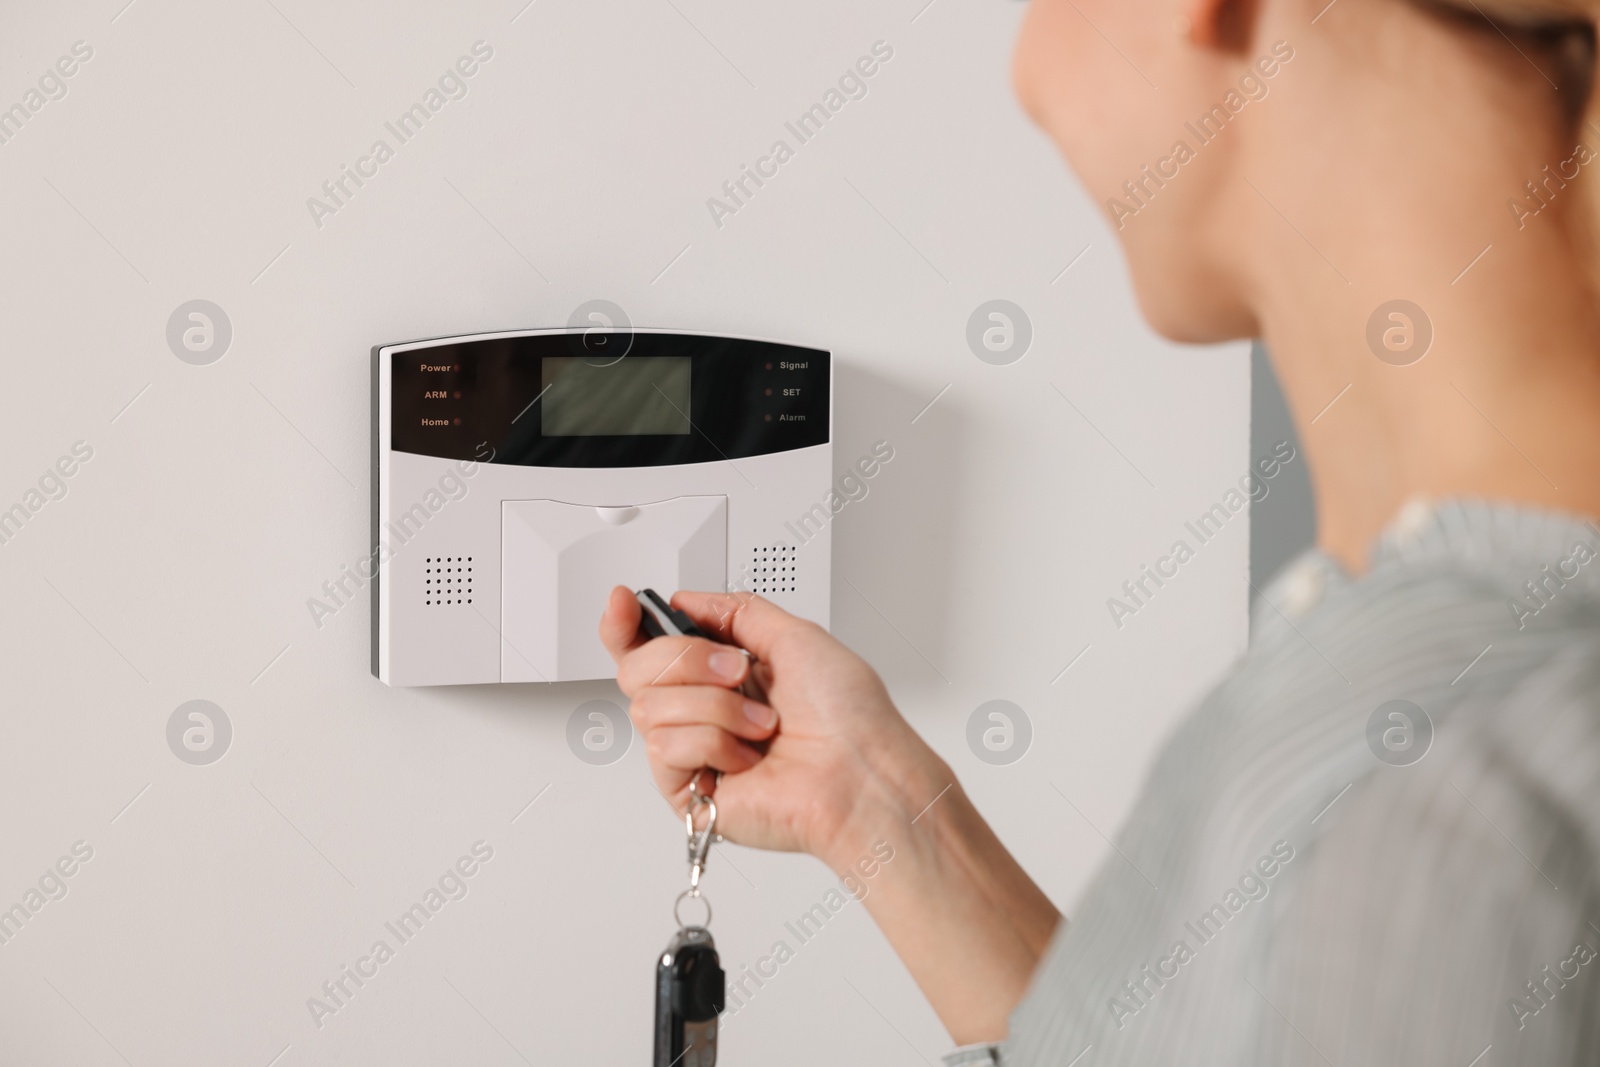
point(691, 992)
point(657, 618)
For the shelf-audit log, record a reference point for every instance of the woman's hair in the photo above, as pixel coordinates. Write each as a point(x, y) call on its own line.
point(1530, 11)
point(1562, 30)
point(1562, 34)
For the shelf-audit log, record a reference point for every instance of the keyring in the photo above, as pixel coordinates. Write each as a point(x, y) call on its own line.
point(695, 893)
point(699, 840)
point(699, 799)
point(694, 783)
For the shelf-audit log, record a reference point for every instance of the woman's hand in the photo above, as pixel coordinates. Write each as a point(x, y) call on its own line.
point(826, 756)
point(826, 765)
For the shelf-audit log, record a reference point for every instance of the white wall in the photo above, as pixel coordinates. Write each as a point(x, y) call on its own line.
point(179, 564)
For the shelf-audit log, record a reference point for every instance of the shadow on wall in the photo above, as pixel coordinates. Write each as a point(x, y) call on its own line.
point(1285, 523)
point(884, 545)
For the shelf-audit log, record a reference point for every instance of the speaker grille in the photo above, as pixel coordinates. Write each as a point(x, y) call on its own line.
point(446, 581)
point(772, 569)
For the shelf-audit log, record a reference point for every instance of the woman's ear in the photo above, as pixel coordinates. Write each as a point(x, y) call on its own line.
point(1223, 25)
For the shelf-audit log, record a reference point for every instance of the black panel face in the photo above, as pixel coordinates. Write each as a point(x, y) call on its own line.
point(614, 400)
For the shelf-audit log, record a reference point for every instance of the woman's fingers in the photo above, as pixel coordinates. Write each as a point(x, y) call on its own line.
point(677, 752)
point(743, 618)
point(643, 662)
point(670, 661)
point(687, 705)
point(684, 699)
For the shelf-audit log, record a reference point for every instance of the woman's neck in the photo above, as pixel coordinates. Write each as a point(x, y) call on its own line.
point(1504, 405)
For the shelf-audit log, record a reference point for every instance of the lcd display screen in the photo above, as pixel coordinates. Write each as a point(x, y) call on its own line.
point(630, 397)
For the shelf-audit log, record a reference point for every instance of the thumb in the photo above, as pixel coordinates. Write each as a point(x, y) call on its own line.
point(619, 626)
point(745, 619)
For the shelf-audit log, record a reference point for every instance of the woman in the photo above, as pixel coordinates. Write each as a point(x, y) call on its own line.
point(1295, 886)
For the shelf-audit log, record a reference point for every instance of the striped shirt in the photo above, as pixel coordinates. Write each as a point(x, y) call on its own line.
point(1377, 841)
